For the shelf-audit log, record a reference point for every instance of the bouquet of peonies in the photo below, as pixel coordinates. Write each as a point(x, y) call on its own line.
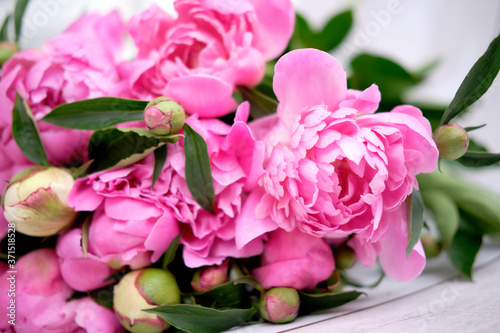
point(204, 185)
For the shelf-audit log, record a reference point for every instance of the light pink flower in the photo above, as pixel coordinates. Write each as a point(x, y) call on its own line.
point(236, 163)
point(334, 167)
point(78, 272)
point(294, 259)
point(132, 224)
point(94, 318)
point(199, 58)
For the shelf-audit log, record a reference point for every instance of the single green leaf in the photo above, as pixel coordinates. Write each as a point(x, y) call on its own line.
point(392, 79)
point(170, 253)
point(118, 147)
point(85, 236)
point(79, 172)
point(310, 303)
point(473, 128)
point(227, 295)
point(18, 17)
point(197, 169)
point(415, 219)
point(160, 159)
point(198, 319)
point(25, 132)
point(478, 159)
point(260, 104)
point(248, 279)
point(465, 246)
point(4, 31)
point(444, 211)
point(98, 113)
point(103, 297)
point(476, 83)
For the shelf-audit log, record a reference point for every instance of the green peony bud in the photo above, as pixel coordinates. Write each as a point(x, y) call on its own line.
point(279, 305)
point(7, 50)
point(208, 278)
point(141, 290)
point(451, 140)
point(344, 257)
point(164, 116)
point(431, 247)
point(36, 201)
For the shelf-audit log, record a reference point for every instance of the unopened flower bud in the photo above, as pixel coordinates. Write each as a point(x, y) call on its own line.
point(141, 290)
point(279, 305)
point(431, 247)
point(208, 278)
point(451, 140)
point(344, 257)
point(164, 116)
point(7, 50)
point(36, 201)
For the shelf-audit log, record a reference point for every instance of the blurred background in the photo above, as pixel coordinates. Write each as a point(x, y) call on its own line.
point(451, 34)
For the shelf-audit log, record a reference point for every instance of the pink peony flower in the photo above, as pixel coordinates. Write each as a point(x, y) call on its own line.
point(209, 49)
point(132, 224)
point(236, 163)
point(78, 272)
point(333, 167)
point(294, 259)
point(94, 318)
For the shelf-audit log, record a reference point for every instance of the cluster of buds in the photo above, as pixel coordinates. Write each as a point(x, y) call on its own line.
point(141, 290)
point(36, 201)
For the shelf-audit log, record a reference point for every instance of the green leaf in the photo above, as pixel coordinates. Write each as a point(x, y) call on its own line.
point(4, 31)
point(18, 17)
point(476, 83)
point(473, 128)
point(85, 236)
point(103, 297)
point(170, 253)
point(122, 146)
point(98, 113)
point(26, 133)
point(160, 159)
point(444, 211)
point(198, 319)
point(227, 295)
point(415, 219)
point(82, 170)
point(310, 303)
point(464, 247)
point(478, 159)
point(248, 279)
point(328, 38)
point(197, 169)
point(391, 78)
point(260, 104)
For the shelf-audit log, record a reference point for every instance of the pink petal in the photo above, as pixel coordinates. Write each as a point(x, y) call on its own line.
point(125, 209)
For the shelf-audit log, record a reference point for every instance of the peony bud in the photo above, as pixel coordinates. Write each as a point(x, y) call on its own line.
point(210, 277)
point(7, 50)
point(141, 290)
point(431, 247)
point(279, 305)
point(451, 140)
point(344, 257)
point(36, 201)
point(164, 116)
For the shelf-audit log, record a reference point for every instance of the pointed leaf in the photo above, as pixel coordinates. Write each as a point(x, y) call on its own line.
point(476, 83)
point(227, 295)
point(415, 219)
point(198, 319)
point(18, 17)
point(198, 172)
point(4, 31)
point(82, 170)
point(465, 246)
point(122, 146)
point(248, 279)
point(160, 159)
point(25, 132)
point(103, 297)
point(98, 113)
point(260, 104)
point(170, 253)
point(310, 303)
point(478, 159)
point(473, 128)
point(444, 212)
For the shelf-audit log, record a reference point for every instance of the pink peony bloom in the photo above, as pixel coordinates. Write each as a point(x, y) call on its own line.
point(294, 259)
point(333, 167)
point(209, 49)
point(132, 224)
point(77, 65)
point(94, 318)
point(236, 163)
point(78, 272)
